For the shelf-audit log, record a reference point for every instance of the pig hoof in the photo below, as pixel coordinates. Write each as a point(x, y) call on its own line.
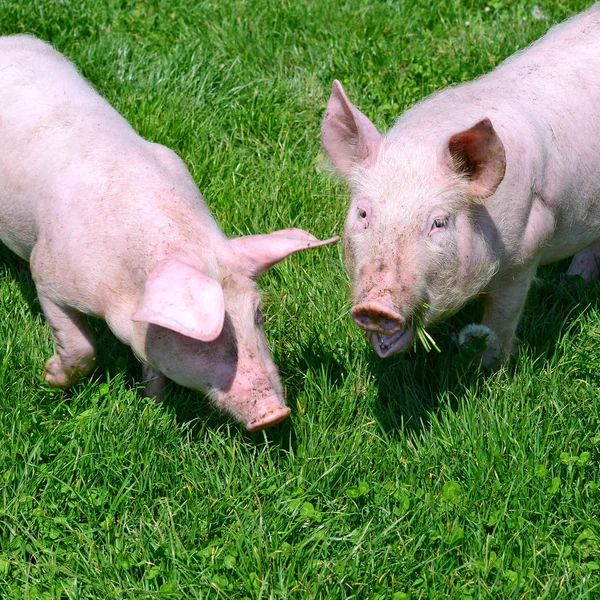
point(156, 388)
point(55, 374)
point(471, 333)
point(273, 416)
point(156, 383)
point(588, 272)
point(493, 358)
point(480, 336)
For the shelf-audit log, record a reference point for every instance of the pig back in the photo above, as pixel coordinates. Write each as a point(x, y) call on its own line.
point(42, 99)
point(544, 102)
point(91, 203)
point(556, 84)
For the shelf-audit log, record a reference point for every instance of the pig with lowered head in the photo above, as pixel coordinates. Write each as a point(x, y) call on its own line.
point(114, 226)
point(472, 189)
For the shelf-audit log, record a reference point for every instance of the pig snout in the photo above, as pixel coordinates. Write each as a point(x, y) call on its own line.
point(271, 412)
point(254, 412)
point(253, 393)
point(378, 317)
point(386, 329)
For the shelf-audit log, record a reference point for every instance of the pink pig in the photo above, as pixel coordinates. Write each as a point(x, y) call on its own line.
point(472, 189)
point(114, 227)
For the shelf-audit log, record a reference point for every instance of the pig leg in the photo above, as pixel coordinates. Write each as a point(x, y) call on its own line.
point(76, 353)
point(503, 306)
point(156, 383)
point(586, 263)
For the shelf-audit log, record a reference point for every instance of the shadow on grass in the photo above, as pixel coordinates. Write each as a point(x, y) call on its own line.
point(410, 387)
point(413, 387)
point(195, 410)
point(16, 269)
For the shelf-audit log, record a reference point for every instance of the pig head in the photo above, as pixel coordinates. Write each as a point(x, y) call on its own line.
point(415, 235)
point(200, 325)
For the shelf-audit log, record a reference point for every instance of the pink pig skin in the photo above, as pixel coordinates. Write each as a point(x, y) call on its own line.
point(472, 189)
point(114, 226)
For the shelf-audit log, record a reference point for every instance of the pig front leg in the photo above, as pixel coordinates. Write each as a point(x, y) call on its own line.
point(503, 305)
point(76, 353)
point(586, 264)
point(156, 383)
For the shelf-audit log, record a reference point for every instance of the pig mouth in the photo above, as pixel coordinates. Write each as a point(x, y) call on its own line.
point(386, 345)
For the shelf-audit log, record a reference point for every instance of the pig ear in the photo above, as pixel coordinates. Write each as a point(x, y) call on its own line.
point(181, 298)
point(478, 153)
point(348, 136)
point(254, 254)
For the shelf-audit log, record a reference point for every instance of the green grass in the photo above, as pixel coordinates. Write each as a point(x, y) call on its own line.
point(415, 477)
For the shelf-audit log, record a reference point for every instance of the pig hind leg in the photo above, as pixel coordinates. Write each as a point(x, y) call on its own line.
point(586, 264)
point(76, 353)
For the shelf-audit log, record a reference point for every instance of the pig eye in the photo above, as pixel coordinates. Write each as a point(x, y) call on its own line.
point(362, 216)
point(258, 317)
point(438, 224)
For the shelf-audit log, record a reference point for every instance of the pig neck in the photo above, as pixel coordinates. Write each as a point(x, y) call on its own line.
point(161, 217)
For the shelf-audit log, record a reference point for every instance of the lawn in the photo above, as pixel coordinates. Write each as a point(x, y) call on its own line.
point(415, 477)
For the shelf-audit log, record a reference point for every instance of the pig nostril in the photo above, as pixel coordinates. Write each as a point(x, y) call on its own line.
point(375, 318)
point(362, 319)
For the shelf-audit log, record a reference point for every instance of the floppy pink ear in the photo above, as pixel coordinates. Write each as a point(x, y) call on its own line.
point(478, 153)
point(348, 136)
point(254, 254)
point(181, 298)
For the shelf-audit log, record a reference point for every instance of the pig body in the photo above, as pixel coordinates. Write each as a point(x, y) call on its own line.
point(114, 226)
point(473, 188)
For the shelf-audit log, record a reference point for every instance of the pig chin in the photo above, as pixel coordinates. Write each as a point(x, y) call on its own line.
point(388, 345)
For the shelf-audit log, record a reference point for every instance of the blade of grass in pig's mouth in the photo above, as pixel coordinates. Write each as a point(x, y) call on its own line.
point(386, 345)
